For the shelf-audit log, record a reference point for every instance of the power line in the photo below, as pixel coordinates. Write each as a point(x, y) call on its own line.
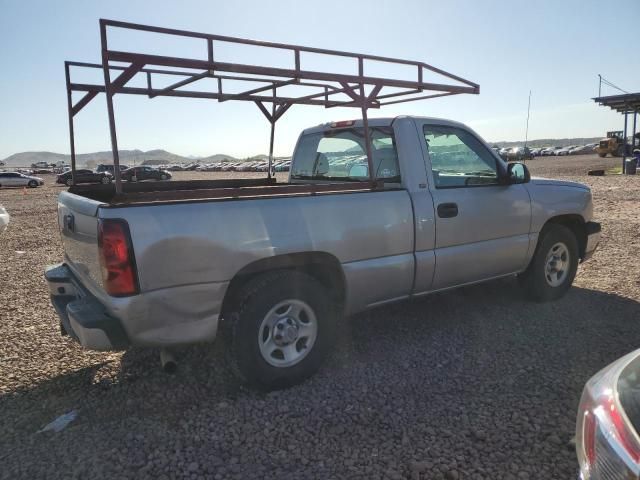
point(608, 83)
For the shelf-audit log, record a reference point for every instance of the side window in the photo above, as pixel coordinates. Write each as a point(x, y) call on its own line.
point(341, 155)
point(458, 159)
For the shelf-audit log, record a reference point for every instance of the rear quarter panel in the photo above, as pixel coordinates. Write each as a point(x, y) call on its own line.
point(209, 242)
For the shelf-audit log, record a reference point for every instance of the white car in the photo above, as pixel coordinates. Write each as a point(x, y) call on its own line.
point(4, 219)
point(565, 150)
point(16, 179)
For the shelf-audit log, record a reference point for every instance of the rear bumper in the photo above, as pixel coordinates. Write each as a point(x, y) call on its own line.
point(593, 239)
point(180, 315)
point(82, 316)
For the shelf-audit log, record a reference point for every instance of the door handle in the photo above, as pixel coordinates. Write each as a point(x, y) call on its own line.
point(448, 210)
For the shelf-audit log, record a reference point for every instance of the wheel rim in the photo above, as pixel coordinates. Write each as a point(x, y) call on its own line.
point(105, 180)
point(557, 264)
point(287, 333)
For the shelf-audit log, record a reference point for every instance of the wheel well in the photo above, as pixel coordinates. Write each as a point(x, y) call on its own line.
point(324, 267)
point(576, 224)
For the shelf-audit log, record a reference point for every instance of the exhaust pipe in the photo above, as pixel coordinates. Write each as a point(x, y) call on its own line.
point(168, 361)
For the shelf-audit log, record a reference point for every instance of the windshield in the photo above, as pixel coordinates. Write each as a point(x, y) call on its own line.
point(340, 155)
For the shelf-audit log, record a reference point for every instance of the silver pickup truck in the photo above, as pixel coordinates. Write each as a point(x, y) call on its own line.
point(274, 270)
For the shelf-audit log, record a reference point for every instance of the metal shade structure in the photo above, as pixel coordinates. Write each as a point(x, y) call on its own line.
point(625, 104)
point(321, 88)
point(629, 102)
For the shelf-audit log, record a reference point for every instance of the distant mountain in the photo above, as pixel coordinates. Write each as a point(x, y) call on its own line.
point(27, 158)
point(550, 142)
point(218, 157)
point(126, 156)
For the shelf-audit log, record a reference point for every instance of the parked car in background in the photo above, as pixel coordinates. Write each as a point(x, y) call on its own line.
point(40, 165)
point(1, 164)
point(84, 176)
point(535, 152)
point(517, 154)
point(581, 150)
point(4, 219)
point(284, 166)
point(175, 168)
point(608, 423)
point(137, 174)
point(550, 151)
point(546, 151)
point(106, 167)
point(564, 151)
point(17, 179)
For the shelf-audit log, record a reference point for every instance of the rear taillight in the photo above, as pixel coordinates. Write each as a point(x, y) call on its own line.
point(116, 258)
point(607, 445)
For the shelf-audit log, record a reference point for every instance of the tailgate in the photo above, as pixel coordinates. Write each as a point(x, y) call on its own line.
point(78, 224)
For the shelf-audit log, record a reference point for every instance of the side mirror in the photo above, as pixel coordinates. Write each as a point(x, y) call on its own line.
point(359, 170)
point(518, 173)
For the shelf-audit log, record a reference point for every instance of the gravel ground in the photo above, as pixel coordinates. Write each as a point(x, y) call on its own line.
point(470, 384)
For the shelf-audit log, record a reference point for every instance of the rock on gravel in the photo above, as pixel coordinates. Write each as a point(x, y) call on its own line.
point(471, 384)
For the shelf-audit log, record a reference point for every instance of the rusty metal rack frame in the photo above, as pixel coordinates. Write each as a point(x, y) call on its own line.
point(329, 89)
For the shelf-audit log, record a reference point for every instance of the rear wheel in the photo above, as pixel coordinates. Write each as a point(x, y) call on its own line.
point(602, 155)
point(282, 331)
point(554, 264)
point(163, 177)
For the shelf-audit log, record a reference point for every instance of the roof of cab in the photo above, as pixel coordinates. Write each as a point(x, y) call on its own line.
point(382, 122)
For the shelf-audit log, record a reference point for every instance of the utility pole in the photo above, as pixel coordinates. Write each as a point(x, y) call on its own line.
point(526, 133)
point(599, 85)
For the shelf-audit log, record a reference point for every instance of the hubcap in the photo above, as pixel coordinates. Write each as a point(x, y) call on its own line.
point(557, 264)
point(287, 333)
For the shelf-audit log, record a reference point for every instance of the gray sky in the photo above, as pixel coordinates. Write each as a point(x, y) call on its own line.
point(556, 49)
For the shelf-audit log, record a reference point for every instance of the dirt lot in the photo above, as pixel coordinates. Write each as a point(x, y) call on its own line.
point(476, 383)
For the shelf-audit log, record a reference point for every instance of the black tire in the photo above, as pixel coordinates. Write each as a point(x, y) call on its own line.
point(254, 301)
point(105, 180)
point(69, 182)
point(32, 184)
point(163, 177)
point(534, 280)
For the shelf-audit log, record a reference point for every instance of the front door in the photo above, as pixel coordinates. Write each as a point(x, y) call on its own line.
point(482, 226)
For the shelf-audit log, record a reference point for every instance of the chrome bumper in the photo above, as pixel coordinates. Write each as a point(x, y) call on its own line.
point(82, 316)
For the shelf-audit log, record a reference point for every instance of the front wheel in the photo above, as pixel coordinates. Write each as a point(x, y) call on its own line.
point(69, 182)
point(105, 180)
point(554, 264)
point(32, 184)
point(282, 331)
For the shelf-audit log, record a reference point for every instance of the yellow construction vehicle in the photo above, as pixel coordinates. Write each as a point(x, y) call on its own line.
point(613, 144)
